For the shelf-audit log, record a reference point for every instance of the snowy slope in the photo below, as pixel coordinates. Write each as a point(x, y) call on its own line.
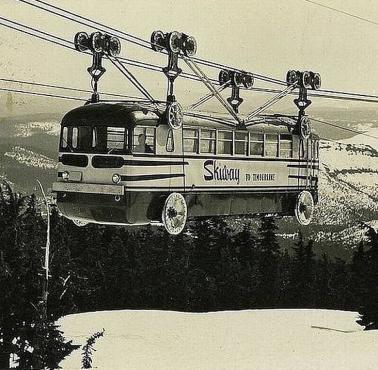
point(253, 339)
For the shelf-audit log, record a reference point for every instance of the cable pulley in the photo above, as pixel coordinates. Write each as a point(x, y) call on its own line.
point(174, 42)
point(306, 79)
point(97, 42)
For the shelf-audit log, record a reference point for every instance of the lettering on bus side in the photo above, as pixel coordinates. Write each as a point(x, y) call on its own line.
point(220, 172)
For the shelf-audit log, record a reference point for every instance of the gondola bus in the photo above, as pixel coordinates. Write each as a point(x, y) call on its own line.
point(120, 163)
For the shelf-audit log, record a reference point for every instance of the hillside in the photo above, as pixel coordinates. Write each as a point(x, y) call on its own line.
point(253, 339)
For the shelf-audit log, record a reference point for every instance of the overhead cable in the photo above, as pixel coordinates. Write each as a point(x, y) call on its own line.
point(133, 39)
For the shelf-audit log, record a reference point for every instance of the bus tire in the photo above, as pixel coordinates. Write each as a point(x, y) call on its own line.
point(174, 213)
point(304, 207)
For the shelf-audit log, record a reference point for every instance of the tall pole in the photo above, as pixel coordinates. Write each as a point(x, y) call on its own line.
point(45, 290)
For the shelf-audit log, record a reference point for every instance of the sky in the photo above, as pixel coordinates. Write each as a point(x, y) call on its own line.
point(267, 37)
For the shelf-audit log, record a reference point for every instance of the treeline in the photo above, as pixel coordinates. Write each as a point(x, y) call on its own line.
point(209, 267)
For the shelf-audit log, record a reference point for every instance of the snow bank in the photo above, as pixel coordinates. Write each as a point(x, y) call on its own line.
point(258, 339)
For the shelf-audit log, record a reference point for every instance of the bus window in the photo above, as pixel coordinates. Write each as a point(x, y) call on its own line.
point(116, 138)
point(74, 137)
point(94, 137)
point(303, 148)
point(271, 145)
point(256, 146)
point(286, 146)
point(64, 142)
point(224, 142)
point(84, 138)
point(241, 143)
point(208, 141)
point(170, 145)
point(190, 140)
point(144, 140)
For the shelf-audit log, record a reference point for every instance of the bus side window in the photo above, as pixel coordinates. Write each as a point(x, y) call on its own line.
point(225, 142)
point(271, 145)
point(191, 138)
point(208, 141)
point(170, 145)
point(241, 143)
point(256, 145)
point(286, 146)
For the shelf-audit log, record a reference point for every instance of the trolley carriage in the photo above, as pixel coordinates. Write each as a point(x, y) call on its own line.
point(200, 169)
point(137, 163)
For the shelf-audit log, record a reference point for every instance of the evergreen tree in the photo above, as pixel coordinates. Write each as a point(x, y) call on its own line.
point(322, 283)
point(357, 281)
point(24, 328)
point(302, 281)
point(269, 254)
point(369, 309)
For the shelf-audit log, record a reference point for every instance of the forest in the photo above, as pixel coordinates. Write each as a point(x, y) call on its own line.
point(209, 267)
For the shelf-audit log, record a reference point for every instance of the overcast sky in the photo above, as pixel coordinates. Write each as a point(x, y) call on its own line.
point(264, 36)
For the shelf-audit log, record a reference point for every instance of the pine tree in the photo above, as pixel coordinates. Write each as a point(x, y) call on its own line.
point(357, 281)
point(369, 309)
point(302, 281)
point(269, 254)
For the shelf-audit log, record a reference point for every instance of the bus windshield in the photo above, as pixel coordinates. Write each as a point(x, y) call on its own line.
point(95, 139)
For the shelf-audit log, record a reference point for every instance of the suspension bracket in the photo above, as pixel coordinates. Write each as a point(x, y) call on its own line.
point(235, 80)
point(173, 43)
point(305, 80)
point(100, 45)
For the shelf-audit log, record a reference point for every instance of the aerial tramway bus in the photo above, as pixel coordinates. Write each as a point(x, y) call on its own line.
point(122, 164)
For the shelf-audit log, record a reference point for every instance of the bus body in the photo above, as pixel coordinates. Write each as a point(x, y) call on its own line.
point(105, 175)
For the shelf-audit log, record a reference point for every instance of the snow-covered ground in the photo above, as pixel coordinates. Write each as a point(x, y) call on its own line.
point(252, 339)
point(31, 159)
point(31, 128)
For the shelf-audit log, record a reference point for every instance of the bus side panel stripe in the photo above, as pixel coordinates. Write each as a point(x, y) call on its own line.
point(151, 177)
point(153, 163)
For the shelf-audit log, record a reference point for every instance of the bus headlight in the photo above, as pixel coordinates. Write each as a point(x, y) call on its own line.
point(65, 176)
point(116, 178)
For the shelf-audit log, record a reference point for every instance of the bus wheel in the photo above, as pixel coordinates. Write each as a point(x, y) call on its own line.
point(80, 223)
point(304, 207)
point(174, 214)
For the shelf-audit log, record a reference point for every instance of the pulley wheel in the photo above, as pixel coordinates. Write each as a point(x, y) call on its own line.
point(316, 81)
point(174, 115)
point(237, 79)
point(114, 46)
point(190, 46)
point(224, 77)
point(81, 41)
point(174, 41)
point(305, 127)
point(306, 79)
point(175, 213)
point(304, 207)
point(248, 81)
point(291, 77)
point(96, 42)
point(157, 40)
